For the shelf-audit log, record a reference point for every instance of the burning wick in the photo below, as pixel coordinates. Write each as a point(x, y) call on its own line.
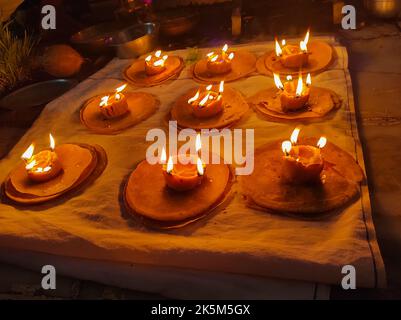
point(43, 166)
point(293, 98)
point(302, 163)
point(207, 103)
point(155, 64)
point(116, 105)
point(292, 56)
point(220, 63)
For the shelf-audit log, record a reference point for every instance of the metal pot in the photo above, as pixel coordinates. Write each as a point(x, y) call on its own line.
point(384, 8)
point(136, 40)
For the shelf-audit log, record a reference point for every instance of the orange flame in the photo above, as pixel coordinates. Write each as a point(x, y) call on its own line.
point(195, 97)
point(163, 156)
point(322, 142)
point(170, 165)
point(52, 142)
point(300, 86)
point(308, 80)
point(28, 152)
point(294, 135)
point(199, 166)
point(221, 87)
point(104, 100)
point(279, 51)
point(198, 143)
point(303, 45)
point(286, 146)
point(278, 82)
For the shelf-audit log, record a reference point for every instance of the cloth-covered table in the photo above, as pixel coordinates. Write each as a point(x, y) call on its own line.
point(237, 241)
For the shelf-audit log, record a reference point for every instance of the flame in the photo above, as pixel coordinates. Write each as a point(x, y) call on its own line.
point(117, 96)
point(308, 80)
point(300, 86)
point(286, 146)
point(158, 53)
point(209, 87)
point(221, 87)
point(231, 56)
point(278, 82)
point(303, 45)
point(289, 78)
point(198, 144)
point(30, 165)
point(170, 165)
point(104, 101)
point(194, 98)
point(210, 54)
point(225, 48)
point(279, 51)
point(121, 88)
point(46, 169)
point(148, 58)
point(322, 142)
point(28, 152)
point(214, 58)
point(283, 42)
point(204, 100)
point(163, 156)
point(52, 142)
point(199, 166)
point(294, 135)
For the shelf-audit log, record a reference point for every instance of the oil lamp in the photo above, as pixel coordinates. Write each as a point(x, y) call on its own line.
point(44, 165)
point(220, 63)
point(155, 64)
point(114, 106)
point(293, 97)
point(183, 177)
point(292, 56)
point(302, 163)
point(207, 103)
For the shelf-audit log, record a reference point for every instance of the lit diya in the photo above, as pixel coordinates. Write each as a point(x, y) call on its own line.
point(219, 63)
point(44, 165)
point(295, 100)
point(207, 103)
point(53, 172)
point(172, 194)
point(293, 56)
point(308, 56)
point(223, 64)
point(209, 107)
point(301, 176)
point(302, 163)
point(154, 69)
point(113, 113)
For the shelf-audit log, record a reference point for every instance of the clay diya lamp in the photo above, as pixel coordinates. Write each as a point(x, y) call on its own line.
point(114, 106)
point(220, 63)
point(302, 164)
point(44, 165)
point(207, 103)
point(155, 64)
point(180, 176)
point(293, 97)
point(293, 56)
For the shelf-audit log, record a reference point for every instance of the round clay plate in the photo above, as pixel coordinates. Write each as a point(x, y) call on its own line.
point(80, 164)
point(235, 107)
point(147, 196)
point(242, 65)
point(321, 56)
point(136, 74)
point(321, 102)
point(141, 106)
point(264, 188)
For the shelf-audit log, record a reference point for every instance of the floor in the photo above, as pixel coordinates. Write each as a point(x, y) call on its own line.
point(375, 67)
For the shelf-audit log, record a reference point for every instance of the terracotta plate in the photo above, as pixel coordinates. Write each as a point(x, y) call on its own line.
point(141, 106)
point(265, 188)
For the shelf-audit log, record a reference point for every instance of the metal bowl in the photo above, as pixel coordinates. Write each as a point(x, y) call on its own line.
point(95, 39)
point(135, 41)
point(37, 94)
point(384, 8)
point(174, 26)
